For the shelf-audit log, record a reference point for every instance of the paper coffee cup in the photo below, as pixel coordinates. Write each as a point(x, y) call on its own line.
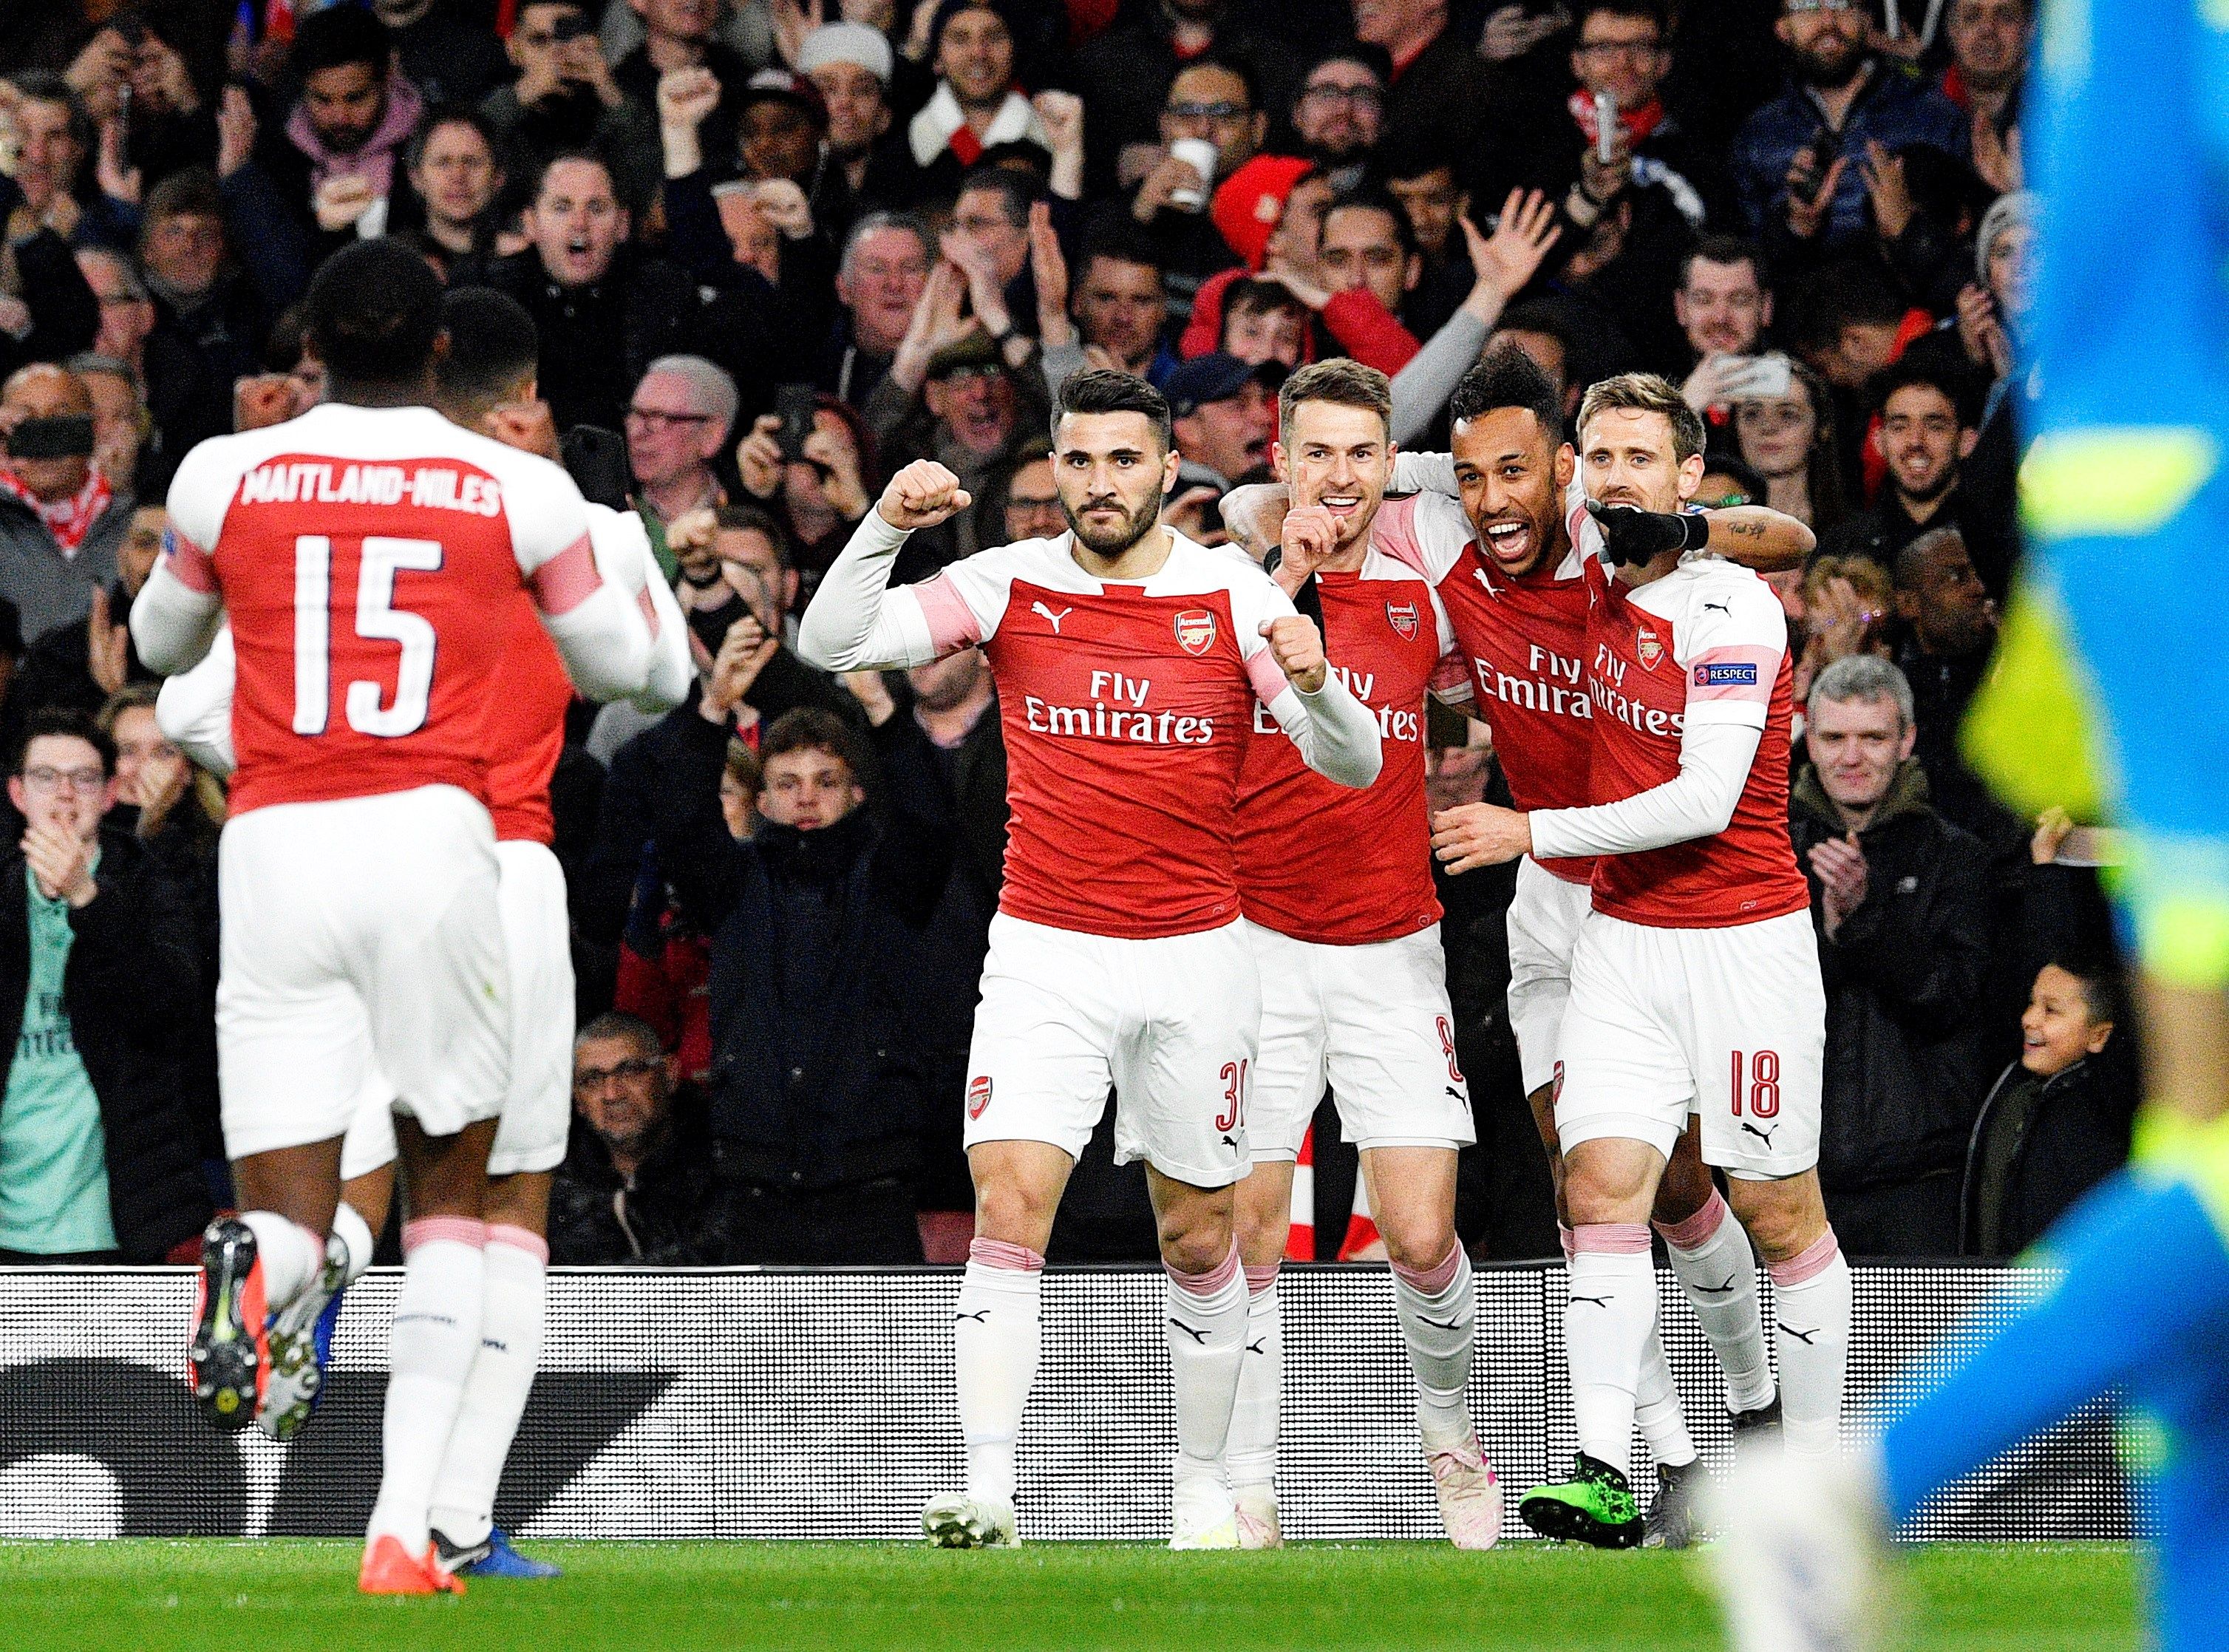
point(1199, 155)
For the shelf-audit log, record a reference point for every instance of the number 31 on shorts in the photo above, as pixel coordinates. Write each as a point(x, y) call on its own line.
point(1763, 1083)
point(1234, 1095)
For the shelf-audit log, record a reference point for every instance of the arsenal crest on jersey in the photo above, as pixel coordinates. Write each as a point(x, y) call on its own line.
point(1649, 647)
point(1195, 631)
point(1403, 617)
point(979, 1094)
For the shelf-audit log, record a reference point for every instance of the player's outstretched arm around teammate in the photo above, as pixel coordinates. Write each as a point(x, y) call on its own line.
point(852, 624)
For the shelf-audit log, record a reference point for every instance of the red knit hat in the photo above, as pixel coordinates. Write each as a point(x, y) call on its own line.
point(1249, 202)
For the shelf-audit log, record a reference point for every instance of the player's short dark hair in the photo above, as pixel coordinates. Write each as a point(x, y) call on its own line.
point(62, 722)
point(1723, 249)
point(1342, 382)
point(456, 114)
point(1648, 393)
point(1954, 384)
point(1100, 389)
point(373, 313)
point(337, 36)
point(2098, 974)
point(813, 728)
point(751, 518)
point(492, 345)
point(1367, 196)
point(1507, 378)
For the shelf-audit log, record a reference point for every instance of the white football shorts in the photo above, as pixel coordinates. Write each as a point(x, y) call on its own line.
point(537, 1110)
point(1729, 1024)
point(361, 935)
point(1170, 1023)
point(1372, 1022)
point(1545, 915)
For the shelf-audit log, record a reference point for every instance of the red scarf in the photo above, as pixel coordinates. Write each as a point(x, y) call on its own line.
point(69, 520)
point(1638, 123)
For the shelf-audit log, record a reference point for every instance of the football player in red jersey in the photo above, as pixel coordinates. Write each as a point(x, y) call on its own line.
point(1695, 984)
point(1129, 661)
point(1336, 890)
point(368, 555)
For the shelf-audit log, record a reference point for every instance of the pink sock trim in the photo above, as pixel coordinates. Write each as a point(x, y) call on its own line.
point(997, 1253)
point(1814, 1261)
point(1613, 1239)
point(1215, 1279)
point(1431, 1281)
point(456, 1230)
point(1695, 1232)
point(520, 1238)
point(1260, 1279)
point(1563, 1238)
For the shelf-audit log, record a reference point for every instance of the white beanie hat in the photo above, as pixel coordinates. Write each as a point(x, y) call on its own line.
point(2013, 211)
point(846, 43)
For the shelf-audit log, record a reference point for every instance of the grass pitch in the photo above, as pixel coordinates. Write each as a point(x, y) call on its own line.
point(275, 1597)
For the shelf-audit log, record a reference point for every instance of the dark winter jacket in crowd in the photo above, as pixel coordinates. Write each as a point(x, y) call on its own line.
point(1895, 109)
point(133, 990)
point(661, 1217)
point(46, 587)
point(1906, 1022)
point(814, 937)
point(2038, 1145)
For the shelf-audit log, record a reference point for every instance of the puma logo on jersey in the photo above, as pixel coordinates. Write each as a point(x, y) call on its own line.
point(1717, 608)
point(1764, 1136)
point(1052, 619)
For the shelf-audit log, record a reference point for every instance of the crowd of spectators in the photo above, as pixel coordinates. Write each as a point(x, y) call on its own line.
point(777, 248)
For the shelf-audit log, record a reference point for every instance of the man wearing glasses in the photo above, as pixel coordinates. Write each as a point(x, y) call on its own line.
point(677, 420)
point(1796, 160)
point(1340, 114)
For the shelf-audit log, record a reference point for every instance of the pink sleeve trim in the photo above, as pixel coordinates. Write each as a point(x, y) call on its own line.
point(453, 1229)
point(191, 565)
point(1264, 672)
point(567, 580)
point(1217, 1278)
point(1743, 672)
point(952, 623)
point(997, 1253)
point(1568, 1240)
point(1695, 1232)
point(1610, 1238)
point(1259, 1279)
point(649, 611)
point(520, 1238)
point(1814, 1260)
point(1433, 1279)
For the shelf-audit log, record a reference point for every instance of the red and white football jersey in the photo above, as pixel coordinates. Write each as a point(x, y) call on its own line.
point(1126, 709)
point(1707, 643)
point(1525, 641)
point(374, 564)
point(1325, 863)
point(525, 730)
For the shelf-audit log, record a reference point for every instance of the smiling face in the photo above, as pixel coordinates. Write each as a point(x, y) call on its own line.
point(779, 139)
point(1512, 474)
point(977, 57)
point(1988, 41)
point(858, 113)
point(977, 405)
point(2059, 1027)
point(1340, 111)
point(1339, 457)
point(1630, 460)
point(576, 223)
point(1857, 747)
point(1827, 43)
point(880, 284)
point(1722, 307)
point(1921, 439)
point(49, 155)
point(1112, 471)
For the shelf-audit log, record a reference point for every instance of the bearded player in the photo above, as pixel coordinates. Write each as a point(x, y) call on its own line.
point(1694, 979)
point(368, 555)
point(1128, 660)
point(485, 382)
point(1337, 888)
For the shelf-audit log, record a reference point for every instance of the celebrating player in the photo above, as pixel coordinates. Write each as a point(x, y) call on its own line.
point(485, 382)
point(368, 555)
point(1128, 660)
point(1694, 979)
point(1336, 890)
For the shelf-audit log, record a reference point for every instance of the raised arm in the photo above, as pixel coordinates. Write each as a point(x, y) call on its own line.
point(855, 621)
point(1334, 732)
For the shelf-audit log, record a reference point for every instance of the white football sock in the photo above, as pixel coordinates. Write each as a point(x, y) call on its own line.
point(436, 1333)
point(1718, 1270)
point(1656, 1408)
point(1251, 1453)
point(1206, 1333)
point(495, 1393)
point(994, 1336)
point(356, 1233)
point(1438, 1312)
point(290, 1255)
point(1812, 1301)
point(1607, 1324)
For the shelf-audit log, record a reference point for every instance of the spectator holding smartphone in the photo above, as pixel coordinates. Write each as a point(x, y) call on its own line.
point(567, 98)
point(1790, 440)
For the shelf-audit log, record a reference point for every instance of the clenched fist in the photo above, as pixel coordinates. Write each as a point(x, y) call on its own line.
point(1296, 646)
point(921, 495)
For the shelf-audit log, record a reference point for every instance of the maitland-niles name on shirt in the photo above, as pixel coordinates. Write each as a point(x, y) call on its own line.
point(1118, 712)
point(1394, 722)
point(288, 481)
